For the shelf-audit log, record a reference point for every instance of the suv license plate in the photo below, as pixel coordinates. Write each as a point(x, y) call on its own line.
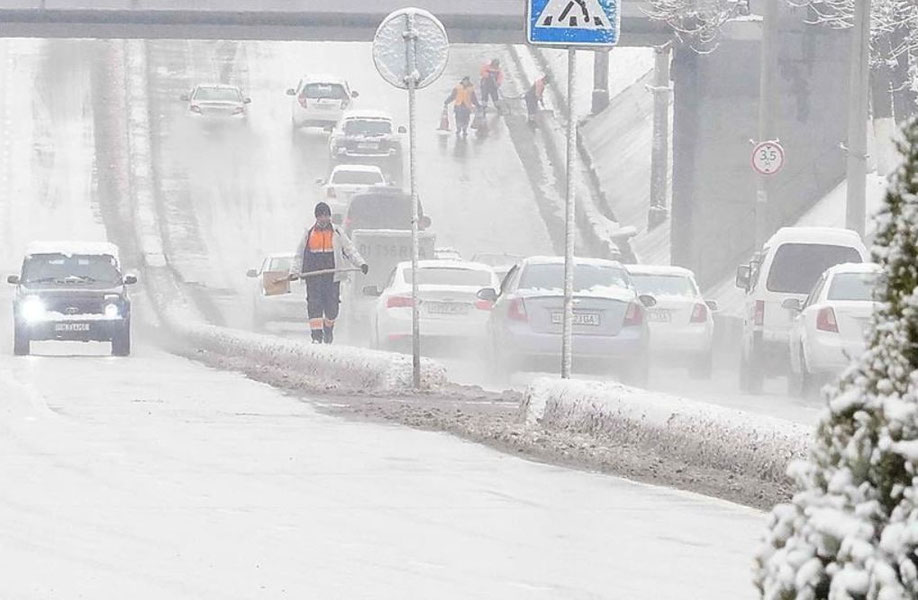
point(71, 327)
point(580, 318)
point(659, 316)
point(446, 308)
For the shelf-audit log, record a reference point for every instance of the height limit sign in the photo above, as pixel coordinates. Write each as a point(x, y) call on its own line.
point(570, 23)
point(767, 158)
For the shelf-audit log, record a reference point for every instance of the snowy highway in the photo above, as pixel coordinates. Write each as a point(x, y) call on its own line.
point(154, 476)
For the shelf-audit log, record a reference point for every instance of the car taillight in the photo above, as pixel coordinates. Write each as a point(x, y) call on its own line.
point(825, 320)
point(759, 316)
point(302, 99)
point(699, 313)
point(634, 315)
point(195, 108)
point(484, 305)
point(399, 302)
point(517, 310)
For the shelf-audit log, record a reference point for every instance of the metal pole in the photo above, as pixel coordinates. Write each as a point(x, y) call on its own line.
point(856, 211)
point(768, 99)
point(659, 160)
point(600, 80)
point(567, 332)
point(411, 40)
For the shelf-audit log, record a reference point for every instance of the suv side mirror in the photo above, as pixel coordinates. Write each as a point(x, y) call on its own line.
point(742, 276)
point(291, 92)
point(792, 304)
point(247, 100)
point(402, 129)
point(712, 305)
point(355, 94)
point(251, 273)
point(647, 300)
point(320, 181)
point(487, 294)
point(13, 279)
point(185, 97)
point(130, 279)
point(372, 290)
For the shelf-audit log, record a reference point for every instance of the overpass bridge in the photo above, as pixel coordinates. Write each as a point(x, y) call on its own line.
point(467, 21)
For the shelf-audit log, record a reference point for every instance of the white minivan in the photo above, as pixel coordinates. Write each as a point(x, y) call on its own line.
point(788, 266)
point(319, 101)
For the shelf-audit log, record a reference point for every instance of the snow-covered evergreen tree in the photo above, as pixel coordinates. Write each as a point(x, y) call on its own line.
point(851, 530)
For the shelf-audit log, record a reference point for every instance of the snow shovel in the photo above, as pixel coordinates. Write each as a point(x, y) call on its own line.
point(281, 280)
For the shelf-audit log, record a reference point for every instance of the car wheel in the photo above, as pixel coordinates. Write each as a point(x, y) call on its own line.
point(702, 365)
point(22, 345)
point(121, 342)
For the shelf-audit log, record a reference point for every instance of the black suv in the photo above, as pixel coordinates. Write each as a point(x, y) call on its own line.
point(72, 291)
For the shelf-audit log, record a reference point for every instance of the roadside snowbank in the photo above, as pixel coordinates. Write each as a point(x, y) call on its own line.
point(341, 367)
point(702, 435)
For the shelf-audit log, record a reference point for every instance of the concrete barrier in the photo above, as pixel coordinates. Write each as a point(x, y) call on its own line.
point(703, 435)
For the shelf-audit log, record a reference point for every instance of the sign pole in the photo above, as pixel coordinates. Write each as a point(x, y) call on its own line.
point(567, 333)
point(411, 37)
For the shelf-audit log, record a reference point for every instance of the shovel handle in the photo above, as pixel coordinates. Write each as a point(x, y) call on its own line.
point(309, 274)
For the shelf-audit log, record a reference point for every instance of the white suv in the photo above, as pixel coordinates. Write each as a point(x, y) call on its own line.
point(319, 101)
point(788, 266)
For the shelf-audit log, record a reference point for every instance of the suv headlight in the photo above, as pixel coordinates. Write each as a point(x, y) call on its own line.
point(112, 310)
point(32, 309)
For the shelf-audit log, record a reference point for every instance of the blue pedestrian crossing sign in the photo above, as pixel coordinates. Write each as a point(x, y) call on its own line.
point(573, 22)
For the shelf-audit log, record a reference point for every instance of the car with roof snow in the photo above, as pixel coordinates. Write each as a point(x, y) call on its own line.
point(368, 137)
point(448, 306)
point(72, 291)
point(217, 103)
point(830, 327)
point(681, 323)
point(346, 180)
point(610, 331)
point(787, 267)
point(274, 297)
point(320, 101)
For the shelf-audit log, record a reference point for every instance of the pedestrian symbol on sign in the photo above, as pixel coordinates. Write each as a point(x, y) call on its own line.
point(589, 23)
point(583, 14)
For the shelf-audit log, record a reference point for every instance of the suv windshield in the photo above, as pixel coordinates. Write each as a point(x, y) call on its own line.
point(853, 286)
point(88, 269)
point(586, 277)
point(215, 94)
point(664, 285)
point(447, 276)
point(796, 267)
point(356, 178)
point(325, 91)
point(380, 211)
point(367, 127)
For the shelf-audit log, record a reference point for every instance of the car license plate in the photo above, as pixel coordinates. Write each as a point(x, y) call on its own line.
point(446, 308)
point(71, 327)
point(659, 316)
point(368, 146)
point(580, 318)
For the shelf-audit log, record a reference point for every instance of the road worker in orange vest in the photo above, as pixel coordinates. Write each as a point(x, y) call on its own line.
point(463, 98)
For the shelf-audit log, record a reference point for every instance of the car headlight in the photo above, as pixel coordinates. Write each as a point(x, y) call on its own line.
point(32, 309)
point(112, 311)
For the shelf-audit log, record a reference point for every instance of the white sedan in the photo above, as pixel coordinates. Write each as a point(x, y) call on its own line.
point(274, 298)
point(215, 104)
point(681, 323)
point(831, 325)
point(449, 307)
point(344, 182)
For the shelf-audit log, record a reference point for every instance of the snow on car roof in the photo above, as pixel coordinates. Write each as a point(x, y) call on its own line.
point(366, 114)
point(659, 270)
point(554, 260)
point(70, 248)
point(867, 267)
point(357, 168)
point(446, 263)
point(813, 235)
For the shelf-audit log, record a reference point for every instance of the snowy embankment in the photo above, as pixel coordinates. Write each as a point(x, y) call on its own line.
point(340, 367)
point(702, 435)
point(599, 232)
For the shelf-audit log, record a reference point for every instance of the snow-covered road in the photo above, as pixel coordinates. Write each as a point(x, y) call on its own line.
point(153, 476)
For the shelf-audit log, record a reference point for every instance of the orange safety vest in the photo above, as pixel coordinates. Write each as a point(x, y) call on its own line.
point(464, 95)
point(494, 72)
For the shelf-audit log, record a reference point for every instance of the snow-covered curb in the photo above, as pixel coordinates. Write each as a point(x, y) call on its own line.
point(702, 435)
point(598, 231)
point(341, 366)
